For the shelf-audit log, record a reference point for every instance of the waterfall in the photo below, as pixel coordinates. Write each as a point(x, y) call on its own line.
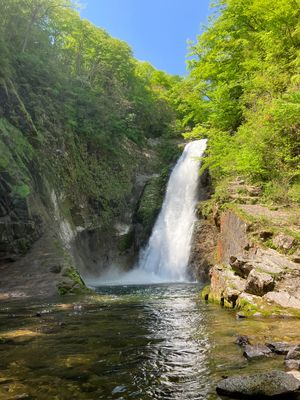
point(167, 253)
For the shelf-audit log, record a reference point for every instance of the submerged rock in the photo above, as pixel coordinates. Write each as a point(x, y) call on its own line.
point(242, 340)
point(256, 351)
point(257, 386)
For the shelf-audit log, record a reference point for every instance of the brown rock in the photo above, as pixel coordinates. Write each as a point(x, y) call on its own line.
point(241, 267)
point(225, 284)
point(259, 283)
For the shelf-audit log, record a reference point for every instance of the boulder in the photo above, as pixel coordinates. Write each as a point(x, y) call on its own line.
point(256, 351)
point(294, 353)
point(257, 386)
point(284, 242)
point(259, 283)
point(225, 285)
point(283, 299)
point(240, 267)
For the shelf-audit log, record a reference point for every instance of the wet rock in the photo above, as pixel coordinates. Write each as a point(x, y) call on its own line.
point(75, 375)
point(292, 365)
point(250, 301)
point(242, 340)
point(283, 299)
point(241, 267)
point(284, 242)
point(259, 283)
point(240, 315)
point(269, 384)
point(256, 351)
point(225, 285)
point(280, 347)
point(294, 353)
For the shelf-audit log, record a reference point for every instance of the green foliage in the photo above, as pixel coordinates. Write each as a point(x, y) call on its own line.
point(76, 108)
point(243, 93)
point(22, 190)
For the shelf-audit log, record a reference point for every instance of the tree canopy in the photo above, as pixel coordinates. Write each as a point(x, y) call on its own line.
point(243, 93)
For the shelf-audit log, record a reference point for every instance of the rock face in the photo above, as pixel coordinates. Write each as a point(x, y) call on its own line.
point(270, 384)
point(247, 276)
point(49, 223)
point(204, 242)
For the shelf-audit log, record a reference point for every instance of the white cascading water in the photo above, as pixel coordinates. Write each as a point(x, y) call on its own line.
point(167, 253)
point(165, 258)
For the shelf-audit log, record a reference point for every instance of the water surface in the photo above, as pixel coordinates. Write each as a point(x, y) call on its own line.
point(126, 342)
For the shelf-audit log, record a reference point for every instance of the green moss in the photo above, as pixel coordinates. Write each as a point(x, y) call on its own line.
point(205, 292)
point(75, 285)
point(151, 201)
point(125, 242)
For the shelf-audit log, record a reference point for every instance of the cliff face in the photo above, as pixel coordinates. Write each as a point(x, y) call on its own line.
point(257, 266)
point(66, 209)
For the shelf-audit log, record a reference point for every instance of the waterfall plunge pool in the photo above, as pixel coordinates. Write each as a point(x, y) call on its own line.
point(126, 342)
point(132, 341)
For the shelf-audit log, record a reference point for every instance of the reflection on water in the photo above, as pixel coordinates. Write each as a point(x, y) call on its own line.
point(135, 342)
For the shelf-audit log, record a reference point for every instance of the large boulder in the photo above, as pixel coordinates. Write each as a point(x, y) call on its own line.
point(257, 386)
point(259, 283)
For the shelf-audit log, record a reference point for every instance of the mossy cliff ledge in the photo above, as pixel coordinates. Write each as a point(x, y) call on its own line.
point(257, 269)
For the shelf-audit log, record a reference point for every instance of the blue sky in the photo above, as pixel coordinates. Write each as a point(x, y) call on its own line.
point(157, 30)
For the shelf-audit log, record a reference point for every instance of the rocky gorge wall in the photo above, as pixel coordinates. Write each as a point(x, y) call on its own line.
point(255, 263)
point(67, 213)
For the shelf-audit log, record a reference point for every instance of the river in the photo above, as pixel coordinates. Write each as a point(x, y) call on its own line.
point(126, 342)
